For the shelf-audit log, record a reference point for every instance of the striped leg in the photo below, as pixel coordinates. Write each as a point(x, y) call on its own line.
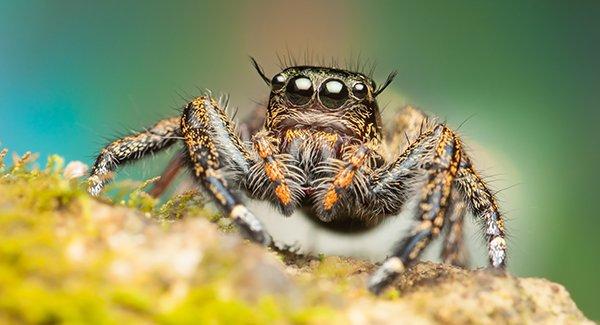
point(469, 192)
point(347, 179)
point(215, 151)
point(431, 211)
point(483, 206)
point(408, 124)
point(249, 126)
point(132, 147)
point(276, 177)
point(454, 250)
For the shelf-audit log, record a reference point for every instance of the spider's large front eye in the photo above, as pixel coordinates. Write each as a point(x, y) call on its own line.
point(278, 82)
point(333, 93)
point(299, 90)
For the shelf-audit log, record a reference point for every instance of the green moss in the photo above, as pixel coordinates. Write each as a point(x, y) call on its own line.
point(205, 306)
point(42, 215)
point(142, 201)
point(68, 258)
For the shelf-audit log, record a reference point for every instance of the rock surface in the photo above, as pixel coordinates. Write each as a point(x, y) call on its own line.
point(65, 257)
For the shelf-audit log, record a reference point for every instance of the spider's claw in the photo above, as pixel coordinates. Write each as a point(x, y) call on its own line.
point(94, 186)
point(250, 227)
point(385, 275)
point(260, 237)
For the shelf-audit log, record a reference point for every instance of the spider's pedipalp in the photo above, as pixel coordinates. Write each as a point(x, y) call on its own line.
point(132, 147)
point(275, 177)
point(347, 179)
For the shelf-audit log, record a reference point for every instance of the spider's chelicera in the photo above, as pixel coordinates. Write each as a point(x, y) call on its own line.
point(321, 147)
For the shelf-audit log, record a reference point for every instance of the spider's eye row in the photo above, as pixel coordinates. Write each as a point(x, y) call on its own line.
point(333, 93)
point(278, 82)
point(299, 90)
point(359, 90)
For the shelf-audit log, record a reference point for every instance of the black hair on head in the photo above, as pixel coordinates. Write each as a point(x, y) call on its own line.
point(260, 71)
point(387, 82)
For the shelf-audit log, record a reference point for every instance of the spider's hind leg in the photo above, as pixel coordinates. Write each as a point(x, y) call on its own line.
point(482, 204)
point(454, 249)
point(408, 124)
point(168, 175)
point(129, 148)
point(252, 123)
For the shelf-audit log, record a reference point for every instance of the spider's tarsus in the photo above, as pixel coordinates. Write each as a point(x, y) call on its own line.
point(249, 225)
point(385, 275)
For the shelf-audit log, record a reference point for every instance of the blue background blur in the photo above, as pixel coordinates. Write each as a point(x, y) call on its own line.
point(529, 73)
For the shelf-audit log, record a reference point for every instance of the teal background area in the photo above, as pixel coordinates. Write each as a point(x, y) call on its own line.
point(525, 74)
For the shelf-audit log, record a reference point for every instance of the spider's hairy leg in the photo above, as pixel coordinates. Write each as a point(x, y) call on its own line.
point(250, 125)
point(276, 176)
point(408, 124)
point(132, 147)
point(483, 205)
point(333, 192)
point(454, 250)
point(214, 150)
point(440, 171)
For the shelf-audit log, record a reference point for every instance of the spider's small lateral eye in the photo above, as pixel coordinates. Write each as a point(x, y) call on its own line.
point(333, 93)
point(278, 81)
point(299, 90)
point(359, 90)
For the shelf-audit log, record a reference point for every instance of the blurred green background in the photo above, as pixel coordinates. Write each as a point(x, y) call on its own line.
point(526, 73)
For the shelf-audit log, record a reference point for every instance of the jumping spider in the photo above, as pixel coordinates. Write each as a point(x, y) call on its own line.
point(322, 148)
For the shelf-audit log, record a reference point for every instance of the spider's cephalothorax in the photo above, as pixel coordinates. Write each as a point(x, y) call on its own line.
point(324, 99)
point(321, 147)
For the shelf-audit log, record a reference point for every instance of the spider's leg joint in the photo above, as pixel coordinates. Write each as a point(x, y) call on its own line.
point(249, 225)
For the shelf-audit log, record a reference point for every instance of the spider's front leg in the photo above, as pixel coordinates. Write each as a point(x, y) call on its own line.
point(215, 151)
point(445, 165)
point(129, 148)
point(246, 128)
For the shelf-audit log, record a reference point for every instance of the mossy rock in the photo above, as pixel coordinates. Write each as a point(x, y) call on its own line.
point(68, 258)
